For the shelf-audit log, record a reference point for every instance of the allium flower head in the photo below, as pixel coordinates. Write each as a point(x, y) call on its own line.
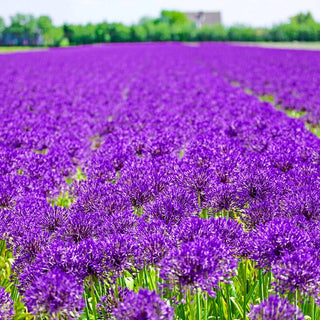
point(275, 308)
point(299, 270)
point(275, 239)
point(53, 294)
point(198, 264)
point(6, 305)
point(226, 230)
point(154, 242)
point(144, 305)
point(254, 186)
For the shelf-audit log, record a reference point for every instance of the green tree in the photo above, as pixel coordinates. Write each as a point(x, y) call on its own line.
point(183, 32)
point(302, 18)
point(139, 33)
point(56, 35)
point(160, 32)
point(68, 32)
point(212, 33)
point(242, 33)
point(44, 23)
point(173, 17)
point(2, 25)
point(307, 28)
point(103, 32)
point(17, 24)
point(302, 27)
point(120, 33)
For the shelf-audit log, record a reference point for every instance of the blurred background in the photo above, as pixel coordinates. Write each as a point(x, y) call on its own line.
point(73, 22)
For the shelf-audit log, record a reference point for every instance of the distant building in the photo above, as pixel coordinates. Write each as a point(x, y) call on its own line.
point(204, 18)
point(12, 39)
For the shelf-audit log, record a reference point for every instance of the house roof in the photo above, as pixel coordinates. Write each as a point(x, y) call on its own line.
point(202, 18)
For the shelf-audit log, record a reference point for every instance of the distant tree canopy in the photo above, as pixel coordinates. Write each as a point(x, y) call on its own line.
point(169, 26)
point(173, 17)
point(2, 25)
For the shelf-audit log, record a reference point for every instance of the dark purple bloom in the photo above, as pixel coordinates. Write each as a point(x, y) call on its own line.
point(227, 230)
point(144, 305)
point(154, 240)
point(200, 264)
point(80, 260)
point(55, 294)
point(270, 242)
point(171, 207)
point(223, 198)
point(304, 201)
point(298, 270)
point(259, 213)
point(93, 196)
point(275, 308)
point(254, 185)
point(80, 226)
point(196, 181)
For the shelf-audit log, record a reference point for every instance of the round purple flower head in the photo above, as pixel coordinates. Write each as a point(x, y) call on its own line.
point(6, 305)
point(275, 308)
point(55, 294)
point(199, 264)
point(144, 305)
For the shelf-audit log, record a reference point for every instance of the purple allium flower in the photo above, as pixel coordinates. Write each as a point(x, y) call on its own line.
point(275, 308)
point(298, 270)
point(8, 193)
point(53, 218)
point(270, 242)
point(259, 213)
point(201, 263)
point(304, 201)
point(101, 169)
point(28, 247)
point(254, 186)
point(154, 240)
point(122, 222)
point(283, 158)
point(55, 294)
point(6, 305)
point(223, 197)
point(80, 226)
point(120, 252)
point(144, 305)
point(171, 207)
point(196, 181)
point(93, 196)
point(80, 260)
point(227, 230)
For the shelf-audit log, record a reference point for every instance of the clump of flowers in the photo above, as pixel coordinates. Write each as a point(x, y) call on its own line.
point(270, 242)
point(144, 305)
point(298, 271)
point(55, 294)
point(199, 264)
point(275, 308)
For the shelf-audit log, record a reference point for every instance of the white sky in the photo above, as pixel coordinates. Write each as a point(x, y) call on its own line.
point(252, 12)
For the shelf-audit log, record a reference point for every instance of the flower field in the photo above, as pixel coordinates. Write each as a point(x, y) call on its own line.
point(145, 181)
point(288, 78)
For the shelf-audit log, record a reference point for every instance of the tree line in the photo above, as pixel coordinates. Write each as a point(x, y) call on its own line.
point(169, 26)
